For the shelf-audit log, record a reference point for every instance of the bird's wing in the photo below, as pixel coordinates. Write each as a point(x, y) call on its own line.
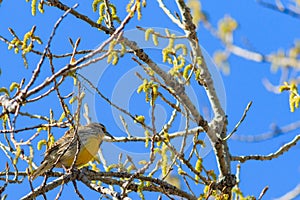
point(53, 153)
point(59, 145)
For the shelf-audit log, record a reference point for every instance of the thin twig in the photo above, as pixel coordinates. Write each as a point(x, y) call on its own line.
point(47, 92)
point(55, 124)
point(279, 152)
point(188, 185)
point(102, 190)
point(74, 50)
point(60, 192)
point(39, 65)
point(169, 14)
point(240, 122)
point(50, 186)
point(63, 105)
point(125, 125)
point(263, 192)
point(77, 191)
point(151, 157)
point(2, 188)
point(187, 124)
point(77, 123)
point(111, 103)
point(75, 66)
point(187, 163)
point(168, 125)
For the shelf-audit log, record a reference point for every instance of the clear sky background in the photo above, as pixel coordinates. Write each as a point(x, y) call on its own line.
point(264, 30)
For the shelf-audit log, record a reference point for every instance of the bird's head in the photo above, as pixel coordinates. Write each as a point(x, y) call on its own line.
point(101, 128)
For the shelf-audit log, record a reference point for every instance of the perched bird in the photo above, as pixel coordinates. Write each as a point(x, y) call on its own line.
point(90, 138)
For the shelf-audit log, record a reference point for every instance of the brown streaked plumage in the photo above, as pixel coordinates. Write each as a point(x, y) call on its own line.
point(90, 138)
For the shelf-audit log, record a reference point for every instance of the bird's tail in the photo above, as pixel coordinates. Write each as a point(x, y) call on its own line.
point(40, 170)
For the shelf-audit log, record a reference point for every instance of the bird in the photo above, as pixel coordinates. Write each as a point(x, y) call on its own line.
point(90, 139)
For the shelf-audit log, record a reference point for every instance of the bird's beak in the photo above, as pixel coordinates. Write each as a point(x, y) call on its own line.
point(109, 135)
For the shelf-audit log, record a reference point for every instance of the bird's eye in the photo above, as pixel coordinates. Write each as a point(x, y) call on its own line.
point(103, 128)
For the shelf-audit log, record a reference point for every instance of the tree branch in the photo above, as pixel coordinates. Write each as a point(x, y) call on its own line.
point(50, 186)
point(217, 128)
point(39, 65)
point(271, 156)
point(239, 123)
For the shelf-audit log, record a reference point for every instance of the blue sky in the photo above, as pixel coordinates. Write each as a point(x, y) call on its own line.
point(265, 30)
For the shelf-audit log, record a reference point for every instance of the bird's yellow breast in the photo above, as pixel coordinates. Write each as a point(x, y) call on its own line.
point(87, 152)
